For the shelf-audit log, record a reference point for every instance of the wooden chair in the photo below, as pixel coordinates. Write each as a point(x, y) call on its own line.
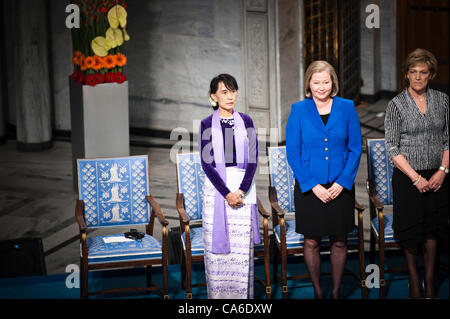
point(288, 242)
point(379, 189)
point(189, 202)
point(114, 192)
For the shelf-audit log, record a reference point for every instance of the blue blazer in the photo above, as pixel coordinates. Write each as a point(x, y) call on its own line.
point(319, 153)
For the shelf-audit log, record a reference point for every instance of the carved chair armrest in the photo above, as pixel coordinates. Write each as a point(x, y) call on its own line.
point(157, 209)
point(262, 210)
point(79, 216)
point(360, 208)
point(378, 205)
point(373, 197)
point(180, 208)
point(274, 202)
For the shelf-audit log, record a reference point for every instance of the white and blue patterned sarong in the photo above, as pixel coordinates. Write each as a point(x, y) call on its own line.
point(230, 275)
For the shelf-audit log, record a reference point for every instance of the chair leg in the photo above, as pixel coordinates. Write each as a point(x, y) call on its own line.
point(183, 271)
point(149, 275)
point(267, 275)
point(372, 247)
point(165, 279)
point(362, 271)
point(284, 287)
point(188, 278)
point(84, 280)
point(267, 270)
point(382, 281)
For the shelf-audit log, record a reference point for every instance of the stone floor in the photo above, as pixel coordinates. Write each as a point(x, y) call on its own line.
point(37, 197)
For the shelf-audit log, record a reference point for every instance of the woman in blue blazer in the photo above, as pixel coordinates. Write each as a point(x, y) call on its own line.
point(323, 145)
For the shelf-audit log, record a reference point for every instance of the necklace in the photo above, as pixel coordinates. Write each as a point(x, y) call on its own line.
point(418, 97)
point(323, 108)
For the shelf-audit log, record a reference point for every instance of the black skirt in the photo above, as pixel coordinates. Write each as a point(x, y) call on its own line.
point(416, 215)
point(313, 218)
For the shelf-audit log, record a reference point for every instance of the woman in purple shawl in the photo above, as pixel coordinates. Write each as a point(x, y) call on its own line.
point(228, 148)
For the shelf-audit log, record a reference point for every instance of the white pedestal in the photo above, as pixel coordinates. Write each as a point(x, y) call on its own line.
point(99, 121)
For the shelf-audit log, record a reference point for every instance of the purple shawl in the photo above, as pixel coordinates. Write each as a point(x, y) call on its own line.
point(220, 236)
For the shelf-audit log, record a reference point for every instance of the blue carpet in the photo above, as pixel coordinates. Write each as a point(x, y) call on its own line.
point(54, 286)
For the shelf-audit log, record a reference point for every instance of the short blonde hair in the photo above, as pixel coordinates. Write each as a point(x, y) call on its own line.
point(420, 56)
point(320, 66)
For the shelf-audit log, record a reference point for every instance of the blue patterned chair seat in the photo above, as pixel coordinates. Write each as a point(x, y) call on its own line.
point(295, 240)
point(388, 231)
point(100, 251)
point(196, 236)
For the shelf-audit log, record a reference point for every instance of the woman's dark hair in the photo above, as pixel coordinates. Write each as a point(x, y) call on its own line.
point(228, 80)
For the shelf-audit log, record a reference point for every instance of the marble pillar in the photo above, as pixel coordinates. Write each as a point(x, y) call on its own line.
point(33, 108)
point(378, 51)
point(10, 24)
point(370, 54)
point(261, 66)
point(388, 45)
point(289, 28)
point(2, 94)
point(61, 63)
point(2, 105)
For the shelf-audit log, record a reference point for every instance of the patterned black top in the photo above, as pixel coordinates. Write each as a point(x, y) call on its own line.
point(421, 138)
point(208, 163)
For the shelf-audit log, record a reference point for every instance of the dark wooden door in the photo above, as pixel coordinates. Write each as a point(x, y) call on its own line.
point(349, 49)
point(331, 33)
point(424, 24)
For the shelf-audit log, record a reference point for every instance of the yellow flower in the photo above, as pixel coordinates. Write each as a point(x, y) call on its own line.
point(126, 37)
point(117, 15)
point(100, 46)
point(114, 37)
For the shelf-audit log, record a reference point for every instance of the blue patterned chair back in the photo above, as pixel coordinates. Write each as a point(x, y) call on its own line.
point(191, 177)
point(114, 190)
point(380, 169)
point(282, 178)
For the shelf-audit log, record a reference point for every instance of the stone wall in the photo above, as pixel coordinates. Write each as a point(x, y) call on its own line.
point(378, 50)
point(176, 48)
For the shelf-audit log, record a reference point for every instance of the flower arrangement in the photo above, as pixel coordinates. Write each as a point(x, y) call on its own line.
point(98, 43)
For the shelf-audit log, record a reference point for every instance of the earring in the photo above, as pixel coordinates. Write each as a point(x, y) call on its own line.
point(212, 102)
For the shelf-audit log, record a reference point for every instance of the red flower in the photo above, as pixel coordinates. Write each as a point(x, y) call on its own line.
point(104, 9)
point(120, 77)
point(91, 79)
point(77, 76)
point(110, 77)
point(74, 76)
point(100, 78)
point(81, 78)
